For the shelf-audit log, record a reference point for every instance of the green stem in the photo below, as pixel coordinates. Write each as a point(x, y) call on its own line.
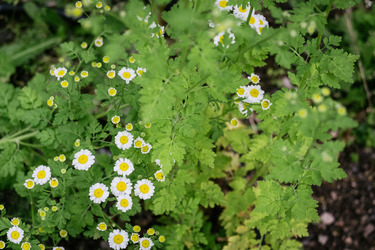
point(32, 208)
point(260, 243)
point(249, 15)
point(320, 35)
point(19, 138)
point(107, 111)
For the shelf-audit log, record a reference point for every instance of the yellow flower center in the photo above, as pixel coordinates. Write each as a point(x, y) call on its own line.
point(254, 79)
point(137, 228)
point(124, 139)
point(64, 83)
point(50, 103)
point(131, 59)
point(150, 231)
point(26, 246)
point(118, 239)
point(265, 104)
point(112, 92)
point(61, 73)
point(129, 127)
point(102, 226)
point(223, 4)
point(15, 235)
point(111, 74)
point(240, 9)
point(41, 174)
point(124, 166)
point(98, 192)
point(124, 203)
point(234, 122)
point(83, 159)
point(84, 74)
point(162, 238)
point(106, 59)
point(241, 91)
point(54, 183)
point(260, 30)
point(30, 184)
point(121, 186)
point(260, 21)
point(15, 222)
point(159, 176)
point(126, 75)
point(138, 144)
point(144, 188)
point(116, 119)
point(145, 148)
point(2, 244)
point(145, 243)
point(135, 237)
point(254, 93)
point(221, 39)
point(140, 72)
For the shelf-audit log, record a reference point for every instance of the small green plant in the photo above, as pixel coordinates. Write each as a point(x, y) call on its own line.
point(148, 112)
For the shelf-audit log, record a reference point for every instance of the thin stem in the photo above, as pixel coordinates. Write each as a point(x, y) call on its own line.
point(260, 243)
point(32, 208)
point(326, 12)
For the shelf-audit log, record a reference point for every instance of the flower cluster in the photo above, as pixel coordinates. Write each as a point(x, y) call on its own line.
point(252, 94)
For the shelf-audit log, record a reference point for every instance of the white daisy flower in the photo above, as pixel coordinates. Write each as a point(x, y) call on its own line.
point(241, 12)
point(118, 239)
point(134, 237)
point(159, 175)
point(127, 74)
point(131, 59)
point(111, 74)
point(242, 91)
point(124, 140)
point(254, 94)
point(58, 248)
point(145, 149)
point(112, 91)
point(254, 78)
point(121, 186)
point(219, 38)
point(15, 234)
point(84, 74)
point(129, 127)
point(124, 203)
point(115, 119)
point(60, 72)
point(266, 104)
point(98, 193)
point(123, 166)
point(223, 5)
point(99, 42)
point(144, 189)
point(26, 246)
point(41, 174)
point(140, 71)
point(29, 183)
point(83, 160)
point(139, 142)
point(64, 84)
point(53, 182)
point(15, 221)
point(52, 71)
point(145, 243)
point(102, 226)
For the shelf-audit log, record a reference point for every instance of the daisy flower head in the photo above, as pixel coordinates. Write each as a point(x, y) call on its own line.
point(41, 174)
point(159, 175)
point(98, 193)
point(161, 238)
point(148, 125)
point(220, 37)
point(60, 72)
point(266, 104)
point(139, 142)
point(111, 74)
point(124, 167)
point(127, 74)
point(71, 73)
point(99, 42)
point(83, 159)
point(124, 203)
point(112, 91)
point(302, 113)
point(52, 71)
point(99, 5)
point(121, 186)
point(223, 5)
point(58, 248)
point(131, 59)
point(101, 226)
point(77, 142)
point(29, 183)
point(63, 233)
point(2, 244)
point(145, 243)
point(254, 78)
point(53, 182)
point(129, 127)
point(241, 12)
point(134, 237)
point(77, 79)
point(84, 45)
point(42, 247)
point(254, 94)
point(106, 59)
point(115, 119)
point(144, 189)
point(25, 246)
point(62, 158)
point(234, 122)
point(150, 231)
point(242, 91)
point(137, 228)
point(15, 235)
point(145, 149)
point(78, 4)
point(317, 98)
point(124, 140)
point(64, 84)
point(50, 102)
point(326, 91)
point(118, 239)
point(322, 108)
point(341, 110)
point(15, 221)
point(140, 71)
point(84, 74)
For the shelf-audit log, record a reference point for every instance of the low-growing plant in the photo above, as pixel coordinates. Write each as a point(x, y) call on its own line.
point(159, 109)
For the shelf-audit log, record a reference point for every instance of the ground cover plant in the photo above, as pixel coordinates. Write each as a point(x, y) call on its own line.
point(155, 116)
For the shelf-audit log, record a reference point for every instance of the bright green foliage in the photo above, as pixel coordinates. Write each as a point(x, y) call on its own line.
point(182, 104)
